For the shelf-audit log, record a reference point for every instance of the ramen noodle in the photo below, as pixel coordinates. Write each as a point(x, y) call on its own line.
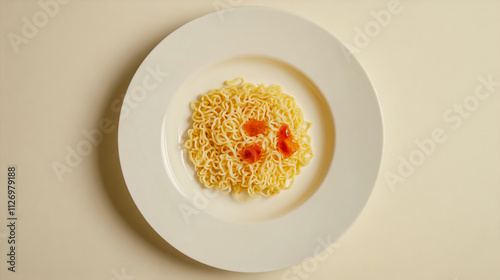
point(248, 139)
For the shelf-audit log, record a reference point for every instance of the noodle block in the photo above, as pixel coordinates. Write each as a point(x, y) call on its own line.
point(248, 139)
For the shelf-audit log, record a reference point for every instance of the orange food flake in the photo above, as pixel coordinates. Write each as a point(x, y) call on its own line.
point(255, 127)
point(287, 145)
point(251, 154)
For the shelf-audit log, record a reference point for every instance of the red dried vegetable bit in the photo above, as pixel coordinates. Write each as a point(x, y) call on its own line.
point(251, 153)
point(254, 127)
point(287, 145)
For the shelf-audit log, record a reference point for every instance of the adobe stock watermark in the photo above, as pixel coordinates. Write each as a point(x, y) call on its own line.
point(454, 117)
point(122, 275)
point(93, 137)
point(371, 29)
point(320, 254)
point(199, 201)
point(31, 26)
point(223, 6)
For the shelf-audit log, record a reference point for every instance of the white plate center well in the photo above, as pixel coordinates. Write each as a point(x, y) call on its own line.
point(255, 69)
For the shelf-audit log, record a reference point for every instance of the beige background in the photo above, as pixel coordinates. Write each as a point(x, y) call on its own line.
point(441, 222)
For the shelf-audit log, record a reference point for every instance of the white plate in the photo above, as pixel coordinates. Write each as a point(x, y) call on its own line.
point(261, 45)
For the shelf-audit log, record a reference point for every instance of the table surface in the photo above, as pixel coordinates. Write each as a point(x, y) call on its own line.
point(434, 212)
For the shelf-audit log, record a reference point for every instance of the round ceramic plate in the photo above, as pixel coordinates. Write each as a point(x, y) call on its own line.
point(266, 46)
